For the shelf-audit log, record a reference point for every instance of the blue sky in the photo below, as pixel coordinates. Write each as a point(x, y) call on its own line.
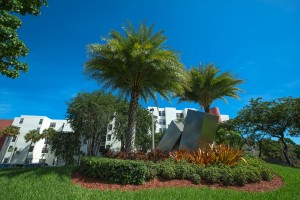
point(258, 40)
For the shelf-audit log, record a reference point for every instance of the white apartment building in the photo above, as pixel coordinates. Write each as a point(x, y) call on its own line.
point(17, 150)
point(167, 114)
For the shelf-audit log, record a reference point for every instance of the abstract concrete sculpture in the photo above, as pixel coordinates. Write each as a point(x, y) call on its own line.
point(171, 137)
point(199, 129)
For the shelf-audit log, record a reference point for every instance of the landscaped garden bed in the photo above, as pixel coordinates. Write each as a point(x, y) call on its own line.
point(217, 166)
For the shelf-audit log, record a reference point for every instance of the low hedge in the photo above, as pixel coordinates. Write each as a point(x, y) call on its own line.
point(137, 172)
point(114, 170)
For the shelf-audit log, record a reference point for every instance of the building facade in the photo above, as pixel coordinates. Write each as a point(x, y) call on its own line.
point(164, 116)
point(17, 150)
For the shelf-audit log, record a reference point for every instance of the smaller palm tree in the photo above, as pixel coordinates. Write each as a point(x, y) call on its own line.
point(47, 134)
point(12, 131)
point(33, 136)
point(206, 85)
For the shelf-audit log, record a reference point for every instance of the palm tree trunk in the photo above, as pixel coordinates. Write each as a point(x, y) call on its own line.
point(28, 151)
point(130, 137)
point(13, 152)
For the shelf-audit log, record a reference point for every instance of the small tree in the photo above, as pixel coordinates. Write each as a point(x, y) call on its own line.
point(89, 115)
point(65, 145)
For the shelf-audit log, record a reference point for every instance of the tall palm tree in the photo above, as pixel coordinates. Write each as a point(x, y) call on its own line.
point(137, 65)
point(33, 136)
point(12, 131)
point(206, 85)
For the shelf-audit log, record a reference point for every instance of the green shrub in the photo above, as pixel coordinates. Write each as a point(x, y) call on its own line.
point(253, 174)
point(166, 169)
point(151, 172)
point(240, 175)
point(114, 170)
point(262, 167)
point(227, 176)
point(211, 174)
point(184, 170)
point(196, 178)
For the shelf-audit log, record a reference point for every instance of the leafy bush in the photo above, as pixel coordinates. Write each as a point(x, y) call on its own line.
point(211, 155)
point(211, 175)
point(196, 178)
point(166, 169)
point(114, 170)
point(262, 167)
point(151, 172)
point(240, 175)
point(184, 170)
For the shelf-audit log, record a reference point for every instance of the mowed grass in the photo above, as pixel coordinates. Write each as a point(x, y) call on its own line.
point(55, 183)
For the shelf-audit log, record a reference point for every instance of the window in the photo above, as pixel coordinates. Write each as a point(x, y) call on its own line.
point(42, 160)
point(13, 139)
point(107, 147)
point(109, 127)
point(162, 113)
point(21, 121)
point(41, 121)
point(5, 160)
point(108, 138)
point(45, 150)
point(30, 148)
point(162, 122)
point(38, 129)
point(10, 149)
point(53, 124)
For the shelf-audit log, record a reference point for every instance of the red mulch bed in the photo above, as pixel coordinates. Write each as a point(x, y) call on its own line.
point(92, 183)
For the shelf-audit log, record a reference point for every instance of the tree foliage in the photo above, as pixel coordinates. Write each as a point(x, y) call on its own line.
point(10, 130)
point(12, 48)
point(65, 145)
point(277, 118)
point(206, 85)
point(138, 66)
point(33, 136)
point(89, 115)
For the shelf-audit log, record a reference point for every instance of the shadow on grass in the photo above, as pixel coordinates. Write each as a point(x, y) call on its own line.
point(63, 173)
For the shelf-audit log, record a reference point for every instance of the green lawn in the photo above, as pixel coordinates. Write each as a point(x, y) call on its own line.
point(55, 183)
